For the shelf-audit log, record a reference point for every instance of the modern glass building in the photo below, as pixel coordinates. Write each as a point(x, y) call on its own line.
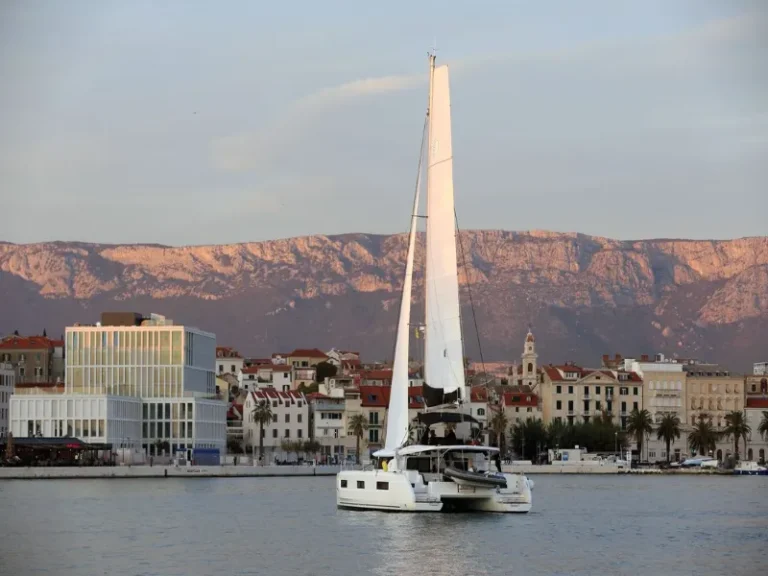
point(158, 376)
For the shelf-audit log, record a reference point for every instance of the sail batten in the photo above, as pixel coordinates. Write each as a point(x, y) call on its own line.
point(443, 349)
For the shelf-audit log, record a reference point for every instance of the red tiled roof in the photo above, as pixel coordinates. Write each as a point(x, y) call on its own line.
point(307, 353)
point(259, 361)
point(251, 369)
point(378, 397)
point(478, 394)
point(751, 402)
point(520, 399)
point(280, 368)
point(226, 352)
point(317, 396)
point(26, 343)
point(57, 343)
point(235, 412)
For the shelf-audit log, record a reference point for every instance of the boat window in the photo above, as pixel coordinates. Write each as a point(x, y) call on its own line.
point(343, 483)
point(382, 485)
point(361, 484)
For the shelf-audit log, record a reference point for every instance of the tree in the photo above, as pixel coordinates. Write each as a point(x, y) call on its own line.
point(235, 445)
point(669, 429)
point(262, 415)
point(357, 427)
point(324, 370)
point(499, 424)
point(640, 425)
point(289, 446)
point(308, 388)
point(736, 426)
point(45, 334)
point(311, 446)
point(528, 438)
point(703, 437)
point(763, 427)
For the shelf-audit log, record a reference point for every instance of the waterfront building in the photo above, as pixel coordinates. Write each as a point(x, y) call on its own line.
point(135, 382)
point(664, 393)
point(7, 380)
point(571, 394)
point(228, 361)
point(290, 421)
point(33, 358)
point(756, 403)
point(713, 391)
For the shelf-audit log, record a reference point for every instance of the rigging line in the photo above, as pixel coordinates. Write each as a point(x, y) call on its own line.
point(471, 301)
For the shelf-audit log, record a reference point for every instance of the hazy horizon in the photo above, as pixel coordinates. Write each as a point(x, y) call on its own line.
point(185, 123)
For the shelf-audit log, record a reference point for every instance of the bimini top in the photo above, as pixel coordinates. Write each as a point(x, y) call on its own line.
point(421, 448)
point(431, 418)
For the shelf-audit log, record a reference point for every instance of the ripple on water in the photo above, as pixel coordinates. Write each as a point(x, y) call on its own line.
point(580, 525)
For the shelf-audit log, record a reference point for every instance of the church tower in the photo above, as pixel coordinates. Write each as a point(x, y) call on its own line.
point(529, 357)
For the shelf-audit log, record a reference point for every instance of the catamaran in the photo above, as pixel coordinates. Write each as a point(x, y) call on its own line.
point(448, 476)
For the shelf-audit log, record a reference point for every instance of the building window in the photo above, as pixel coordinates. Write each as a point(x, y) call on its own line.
point(373, 418)
point(586, 390)
point(299, 433)
point(481, 411)
point(570, 405)
point(570, 389)
point(287, 433)
point(299, 418)
point(558, 389)
point(343, 483)
point(361, 484)
point(274, 417)
point(274, 433)
point(597, 390)
point(373, 436)
point(634, 391)
point(382, 485)
point(287, 418)
point(624, 391)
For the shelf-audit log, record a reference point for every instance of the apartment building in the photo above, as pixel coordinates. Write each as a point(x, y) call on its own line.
point(228, 361)
point(33, 358)
point(571, 394)
point(290, 421)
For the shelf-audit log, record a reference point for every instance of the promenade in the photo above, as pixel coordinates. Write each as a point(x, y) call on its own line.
point(143, 471)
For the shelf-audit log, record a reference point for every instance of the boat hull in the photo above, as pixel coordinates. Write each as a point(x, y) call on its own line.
point(751, 472)
point(397, 492)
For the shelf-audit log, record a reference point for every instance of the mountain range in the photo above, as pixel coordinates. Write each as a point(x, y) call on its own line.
point(583, 296)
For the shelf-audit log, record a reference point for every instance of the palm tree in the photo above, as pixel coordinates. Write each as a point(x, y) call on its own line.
point(669, 429)
point(357, 427)
point(736, 426)
point(262, 415)
point(640, 425)
point(703, 437)
point(499, 424)
point(763, 427)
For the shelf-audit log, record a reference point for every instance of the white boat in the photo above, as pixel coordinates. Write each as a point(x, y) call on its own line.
point(433, 477)
point(750, 469)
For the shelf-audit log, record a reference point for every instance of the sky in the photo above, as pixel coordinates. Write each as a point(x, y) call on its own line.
point(194, 122)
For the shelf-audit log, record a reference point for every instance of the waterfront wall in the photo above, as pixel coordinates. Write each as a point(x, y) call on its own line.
point(45, 472)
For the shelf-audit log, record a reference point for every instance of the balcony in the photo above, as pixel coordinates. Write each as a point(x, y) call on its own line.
point(329, 405)
point(570, 413)
point(588, 413)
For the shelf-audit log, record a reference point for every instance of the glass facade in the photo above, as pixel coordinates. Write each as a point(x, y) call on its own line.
point(146, 362)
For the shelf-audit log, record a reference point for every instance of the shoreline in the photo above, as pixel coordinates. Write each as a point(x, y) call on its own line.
point(143, 471)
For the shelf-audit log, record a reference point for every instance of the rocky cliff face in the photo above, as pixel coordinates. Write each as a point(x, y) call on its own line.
point(584, 295)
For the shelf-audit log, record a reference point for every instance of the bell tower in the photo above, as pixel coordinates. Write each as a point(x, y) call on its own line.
point(529, 358)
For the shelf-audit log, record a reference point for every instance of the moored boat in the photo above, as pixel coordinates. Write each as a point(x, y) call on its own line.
point(750, 469)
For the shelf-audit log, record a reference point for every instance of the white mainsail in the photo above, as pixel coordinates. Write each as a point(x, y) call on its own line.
point(443, 349)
